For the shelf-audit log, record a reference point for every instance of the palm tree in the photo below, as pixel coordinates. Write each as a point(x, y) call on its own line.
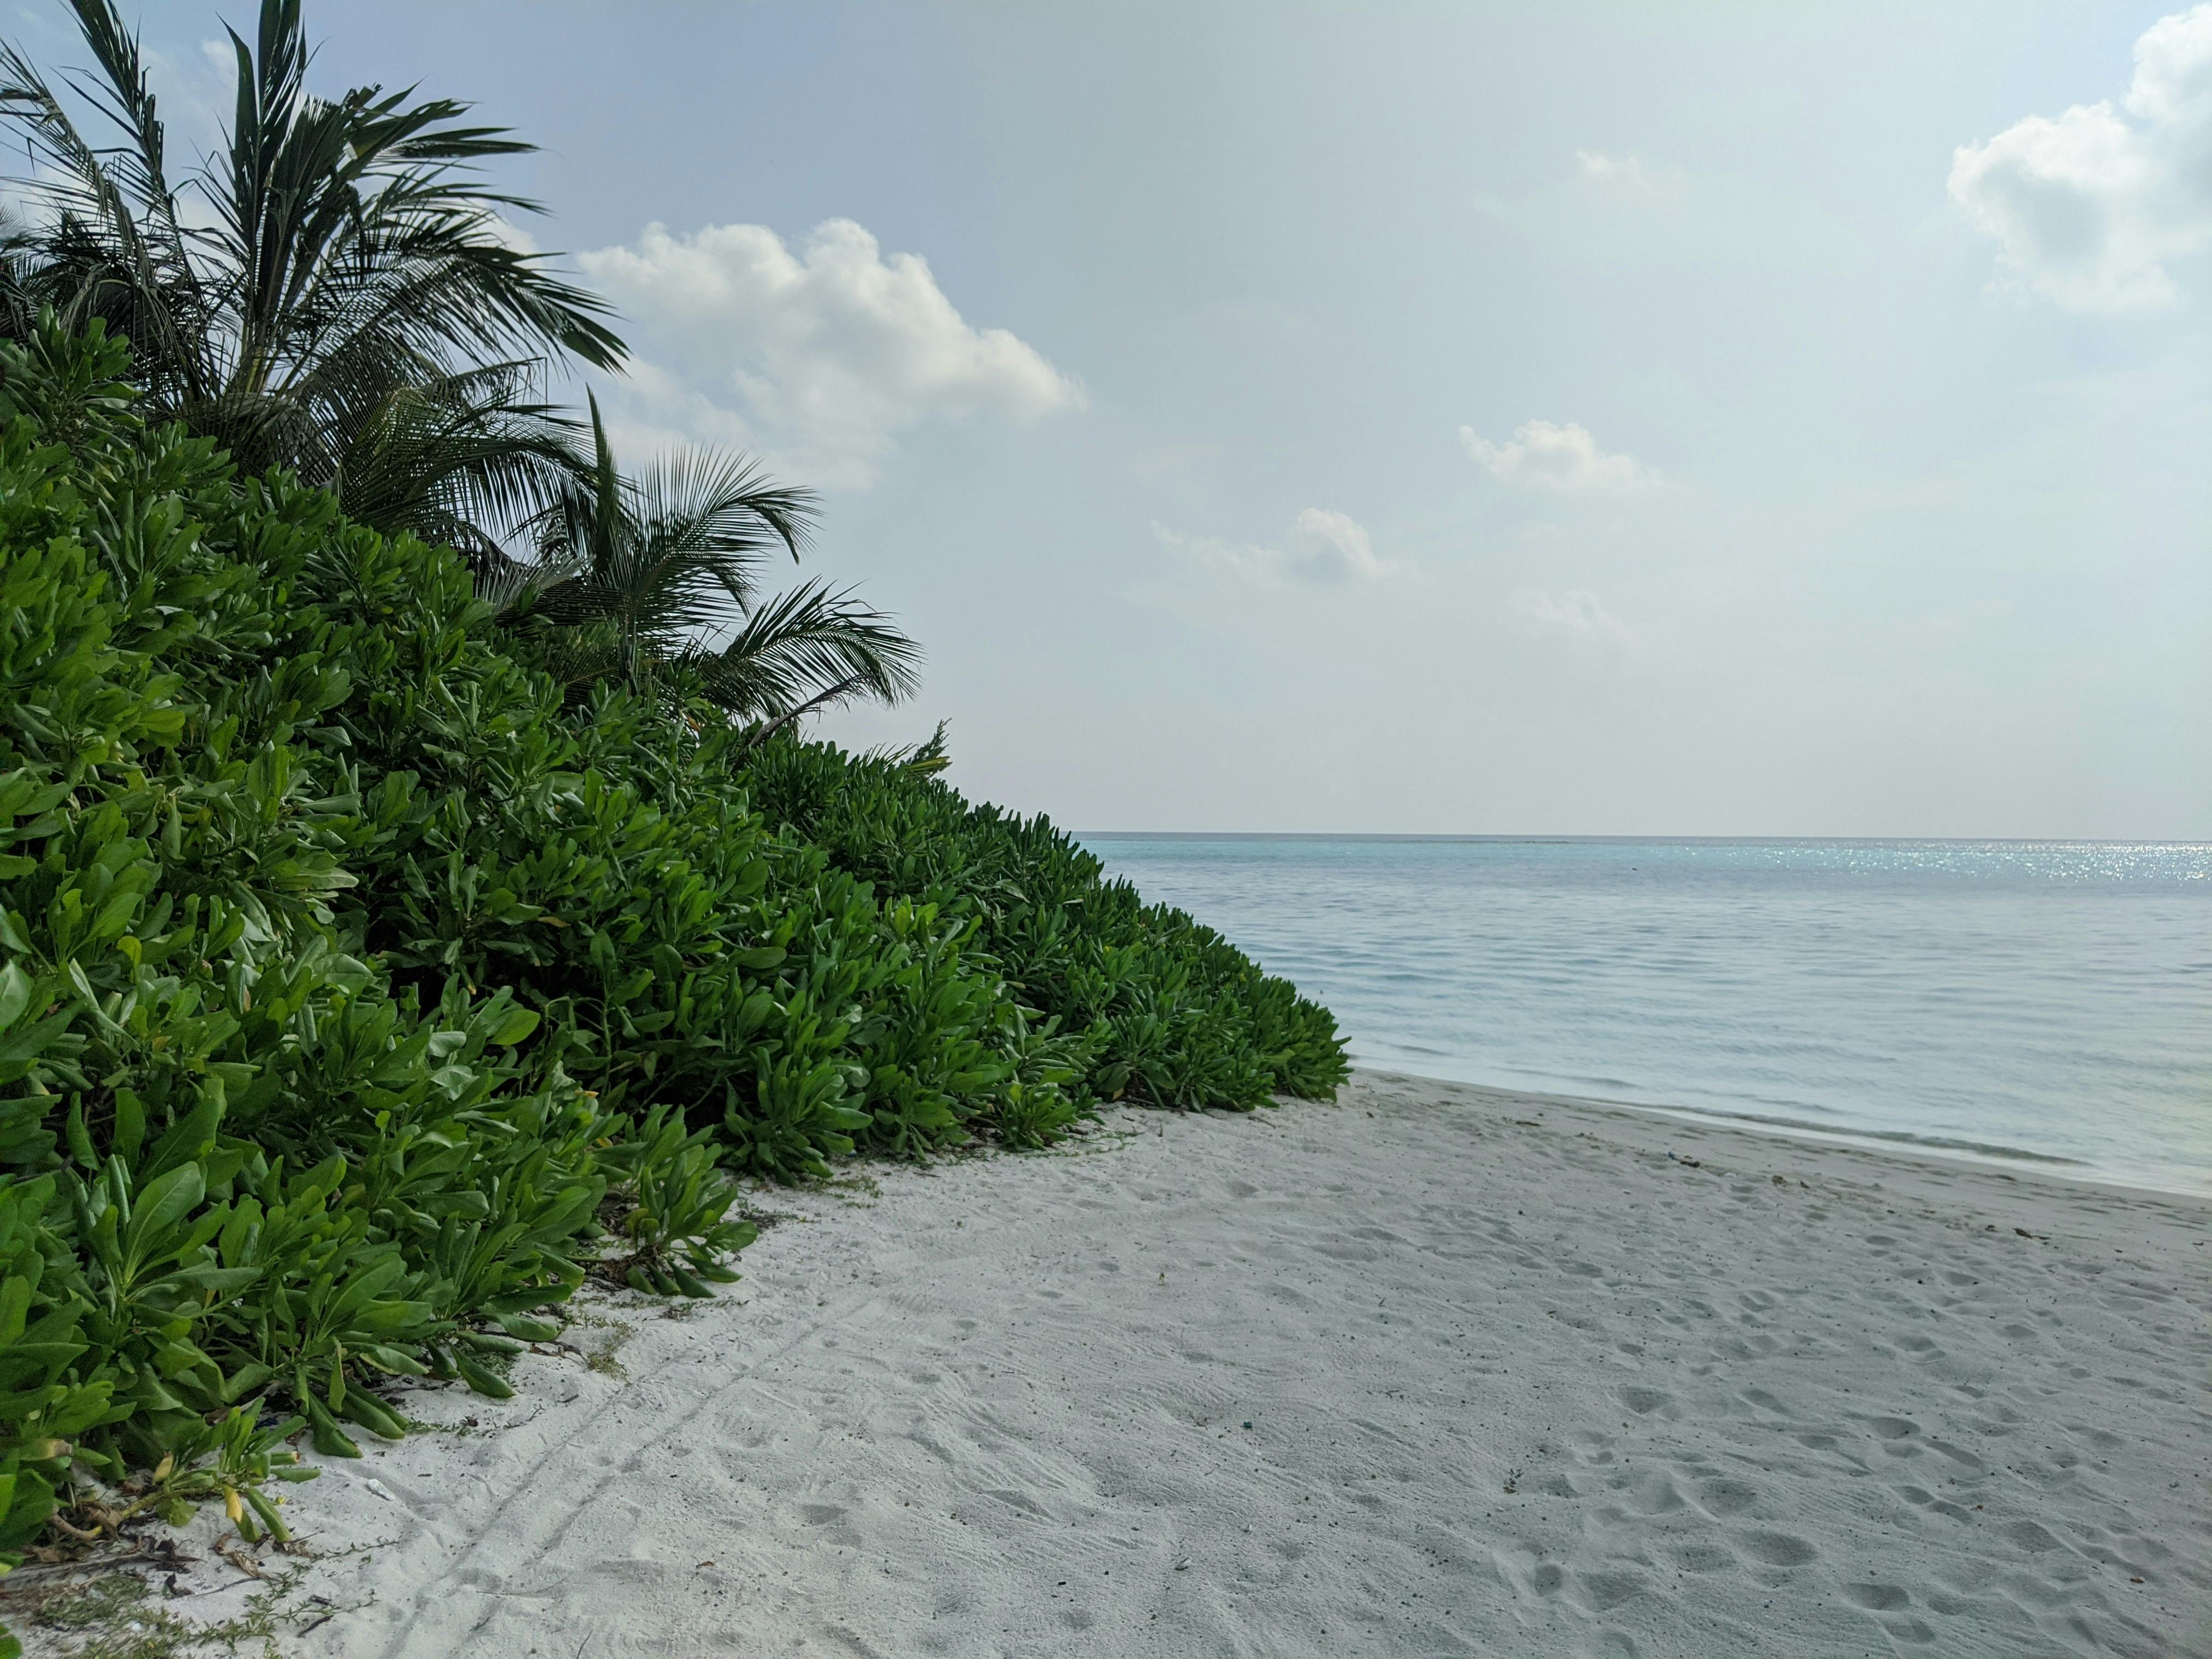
point(635, 577)
point(333, 292)
point(460, 462)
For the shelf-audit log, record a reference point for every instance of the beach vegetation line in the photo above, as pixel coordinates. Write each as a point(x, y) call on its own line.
point(367, 988)
point(417, 896)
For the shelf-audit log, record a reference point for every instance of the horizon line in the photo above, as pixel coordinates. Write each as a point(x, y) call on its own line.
point(1527, 837)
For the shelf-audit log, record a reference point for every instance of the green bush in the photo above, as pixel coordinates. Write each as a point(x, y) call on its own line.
point(1169, 1012)
point(358, 995)
point(240, 1164)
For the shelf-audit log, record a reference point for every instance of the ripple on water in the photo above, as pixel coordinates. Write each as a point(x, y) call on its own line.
point(2052, 1000)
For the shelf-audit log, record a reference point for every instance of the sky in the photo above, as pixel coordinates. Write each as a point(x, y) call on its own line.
point(1713, 419)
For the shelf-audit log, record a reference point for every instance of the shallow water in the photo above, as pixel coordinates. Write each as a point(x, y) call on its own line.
point(2022, 1000)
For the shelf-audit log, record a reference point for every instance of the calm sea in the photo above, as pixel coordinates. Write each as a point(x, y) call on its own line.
point(2020, 1000)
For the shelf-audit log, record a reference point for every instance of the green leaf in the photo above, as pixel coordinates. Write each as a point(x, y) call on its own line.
point(324, 1435)
point(130, 1132)
point(158, 1206)
point(14, 995)
point(480, 1380)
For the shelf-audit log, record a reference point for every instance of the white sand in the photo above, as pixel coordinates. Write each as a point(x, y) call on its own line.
point(1403, 1376)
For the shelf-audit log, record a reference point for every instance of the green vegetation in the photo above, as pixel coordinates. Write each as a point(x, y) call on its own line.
point(333, 293)
point(114, 1617)
point(364, 987)
point(630, 575)
point(396, 930)
point(1169, 1012)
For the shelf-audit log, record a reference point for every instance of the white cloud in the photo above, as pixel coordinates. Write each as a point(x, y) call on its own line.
point(1547, 457)
point(1322, 547)
point(1631, 171)
point(1332, 546)
point(821, 356)
point(514, 233)
point(2088, 207)
point(1575, 615)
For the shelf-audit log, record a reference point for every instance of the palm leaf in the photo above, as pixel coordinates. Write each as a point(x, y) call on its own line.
point(811, 648)
point(353, 255)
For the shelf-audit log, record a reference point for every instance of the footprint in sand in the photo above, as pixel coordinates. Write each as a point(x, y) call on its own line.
point(1779, 1549)
point(1704, 1557)
point(1877, 1598)
point(1968, 1463)
point(1921, 1497)
point(1722, 1499)
point(1601, 1592)
point(1592, 1449)
point(1654, 1494)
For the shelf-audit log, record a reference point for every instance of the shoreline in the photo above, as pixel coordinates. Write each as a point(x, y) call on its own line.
point(2010, 1162)
point(2021, 1006)
point(1433, 1370)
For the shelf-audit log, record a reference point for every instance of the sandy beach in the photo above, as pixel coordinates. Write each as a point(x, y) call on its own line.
point(1436, 1370)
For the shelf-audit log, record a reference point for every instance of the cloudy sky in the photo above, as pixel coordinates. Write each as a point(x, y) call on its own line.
point(1700, 419)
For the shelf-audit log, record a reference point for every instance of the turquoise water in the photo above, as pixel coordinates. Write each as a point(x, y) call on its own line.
point(2021, 1001)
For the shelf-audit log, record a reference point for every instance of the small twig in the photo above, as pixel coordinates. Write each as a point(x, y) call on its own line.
point(94, 1562)
point(223, 1548)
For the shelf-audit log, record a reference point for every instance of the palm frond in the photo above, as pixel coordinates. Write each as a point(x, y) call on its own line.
point(354, 252)
point(460, 462)
point(105, 241)
point(924, 759)
point(664, 563)
point(792, 650)
point(669, 556)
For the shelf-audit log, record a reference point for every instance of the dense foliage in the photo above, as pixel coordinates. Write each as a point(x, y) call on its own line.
point(1173, 1014)
point(636, 574)
point(333, 290)
point(336, 291)
point(362, 991)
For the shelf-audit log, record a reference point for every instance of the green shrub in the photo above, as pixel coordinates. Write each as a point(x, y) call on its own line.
point(1165, 1010)
point(240, 1162)
point(358, 996)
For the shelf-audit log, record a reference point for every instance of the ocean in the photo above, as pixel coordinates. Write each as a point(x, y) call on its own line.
point(2036, 1004)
